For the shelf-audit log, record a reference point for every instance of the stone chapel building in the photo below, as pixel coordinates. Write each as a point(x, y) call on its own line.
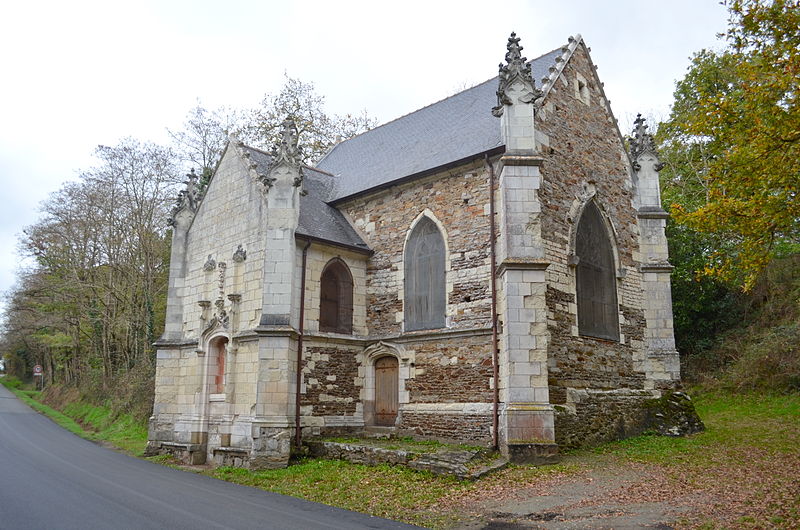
point(489, 269)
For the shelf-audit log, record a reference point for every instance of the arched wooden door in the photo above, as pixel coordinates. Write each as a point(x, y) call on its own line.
point(386, 378)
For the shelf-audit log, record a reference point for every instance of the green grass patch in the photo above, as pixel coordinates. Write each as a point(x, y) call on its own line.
point(733, 422)
point(10, 382)
point(29, 398)
point(88, 421)
point(122, 431)
point(385, 491)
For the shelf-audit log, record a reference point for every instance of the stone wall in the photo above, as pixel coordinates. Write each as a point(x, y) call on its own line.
point(585, 158)
point(228, 219)
point(332, 386)
point(230, 215)
point(318, 256)
point(461, 427)
point(593, 417)
point(457, 370)
point(457, 201)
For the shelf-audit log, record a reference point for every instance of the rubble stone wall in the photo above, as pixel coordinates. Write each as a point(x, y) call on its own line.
point(584, 157)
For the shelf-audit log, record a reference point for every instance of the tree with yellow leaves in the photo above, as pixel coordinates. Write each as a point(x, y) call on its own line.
point(741, 107)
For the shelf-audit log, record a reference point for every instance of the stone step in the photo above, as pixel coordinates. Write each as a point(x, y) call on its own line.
point(375, 431)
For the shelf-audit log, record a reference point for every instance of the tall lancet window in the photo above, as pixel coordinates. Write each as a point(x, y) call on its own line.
point(424, 305)
point(596, 283)
point(336, 298)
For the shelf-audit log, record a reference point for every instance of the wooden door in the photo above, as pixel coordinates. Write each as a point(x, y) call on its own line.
point(386, 378)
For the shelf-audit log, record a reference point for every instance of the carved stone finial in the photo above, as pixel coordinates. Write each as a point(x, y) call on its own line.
point(514, 71)
point(240, 255)
point(210, 264)
point(189, 197)
point(287, 151)
point(641, 142)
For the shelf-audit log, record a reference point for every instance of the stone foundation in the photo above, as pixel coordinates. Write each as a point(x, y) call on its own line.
point(594, 417)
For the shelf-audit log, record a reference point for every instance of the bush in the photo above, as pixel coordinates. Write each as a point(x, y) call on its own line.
point(10, 381)
point(762, 353)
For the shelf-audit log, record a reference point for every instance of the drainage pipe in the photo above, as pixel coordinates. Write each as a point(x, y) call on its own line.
point(300, 331)
point(493, 273)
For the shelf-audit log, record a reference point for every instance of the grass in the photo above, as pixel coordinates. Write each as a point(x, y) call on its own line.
point(87, 421)
point(122, 431)
point(733, 421)
point(386, 491)
point(746, 466)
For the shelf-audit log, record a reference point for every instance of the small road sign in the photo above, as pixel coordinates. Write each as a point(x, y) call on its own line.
point(37, 370)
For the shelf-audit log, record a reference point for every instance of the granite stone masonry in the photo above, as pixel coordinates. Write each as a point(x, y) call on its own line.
point(367, 295)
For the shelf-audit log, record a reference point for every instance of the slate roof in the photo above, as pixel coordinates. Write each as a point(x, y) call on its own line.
point(455, 128)
point(318, 220)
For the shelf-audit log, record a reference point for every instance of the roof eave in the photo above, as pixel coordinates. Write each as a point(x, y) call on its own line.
point(361, 250)
point(420, 174)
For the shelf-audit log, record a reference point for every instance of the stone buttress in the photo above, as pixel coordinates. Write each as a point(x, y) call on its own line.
point(526, 425)
point(277, 346)
point(662, 363)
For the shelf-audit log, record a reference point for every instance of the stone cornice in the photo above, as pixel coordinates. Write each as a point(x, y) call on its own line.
point(652, 213)
point(355, 340)
point(174, 343)
point(656, 267)
point(511, 158)
point(522, 264)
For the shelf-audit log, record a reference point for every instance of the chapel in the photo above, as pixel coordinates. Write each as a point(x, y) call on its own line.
point(491, 269)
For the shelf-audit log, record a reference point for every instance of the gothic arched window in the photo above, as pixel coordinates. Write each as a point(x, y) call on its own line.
point(596, 283)
point(336, 298)
point(424, 277)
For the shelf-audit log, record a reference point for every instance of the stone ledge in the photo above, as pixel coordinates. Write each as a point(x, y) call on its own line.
point(652, 213)
point(511, 158)
point(461, 463)
point(522, 264)
point(656, 267)
point(187, 453)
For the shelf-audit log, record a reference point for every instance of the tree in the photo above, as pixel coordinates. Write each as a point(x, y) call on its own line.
point(739, 110)
point(199, 144)
point(318, 131)
point(89, 308)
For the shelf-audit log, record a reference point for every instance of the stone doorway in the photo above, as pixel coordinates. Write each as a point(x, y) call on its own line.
point(386, 391)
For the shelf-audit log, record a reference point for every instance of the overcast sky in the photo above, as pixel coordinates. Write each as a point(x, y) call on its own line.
point(81, 73)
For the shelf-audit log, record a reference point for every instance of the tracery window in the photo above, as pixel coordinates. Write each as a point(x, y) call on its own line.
point(598, 313)
point(424, 265)
point(336, 298)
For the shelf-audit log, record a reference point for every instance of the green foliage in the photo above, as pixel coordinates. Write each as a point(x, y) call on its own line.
point(10, 382)
point(738, 111)
point(762, 353)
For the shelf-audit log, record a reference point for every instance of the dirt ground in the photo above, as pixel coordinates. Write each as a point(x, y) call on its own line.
point(600, 496)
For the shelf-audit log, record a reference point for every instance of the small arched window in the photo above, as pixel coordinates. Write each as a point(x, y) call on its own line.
point(596, 284)
point(336, 298)
point(424, 278)
point(218, 349)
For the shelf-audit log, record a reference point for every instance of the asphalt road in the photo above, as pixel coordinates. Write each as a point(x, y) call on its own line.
point(50, 478)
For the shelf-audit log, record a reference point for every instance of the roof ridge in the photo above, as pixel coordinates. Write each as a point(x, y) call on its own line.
point(426, 106)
